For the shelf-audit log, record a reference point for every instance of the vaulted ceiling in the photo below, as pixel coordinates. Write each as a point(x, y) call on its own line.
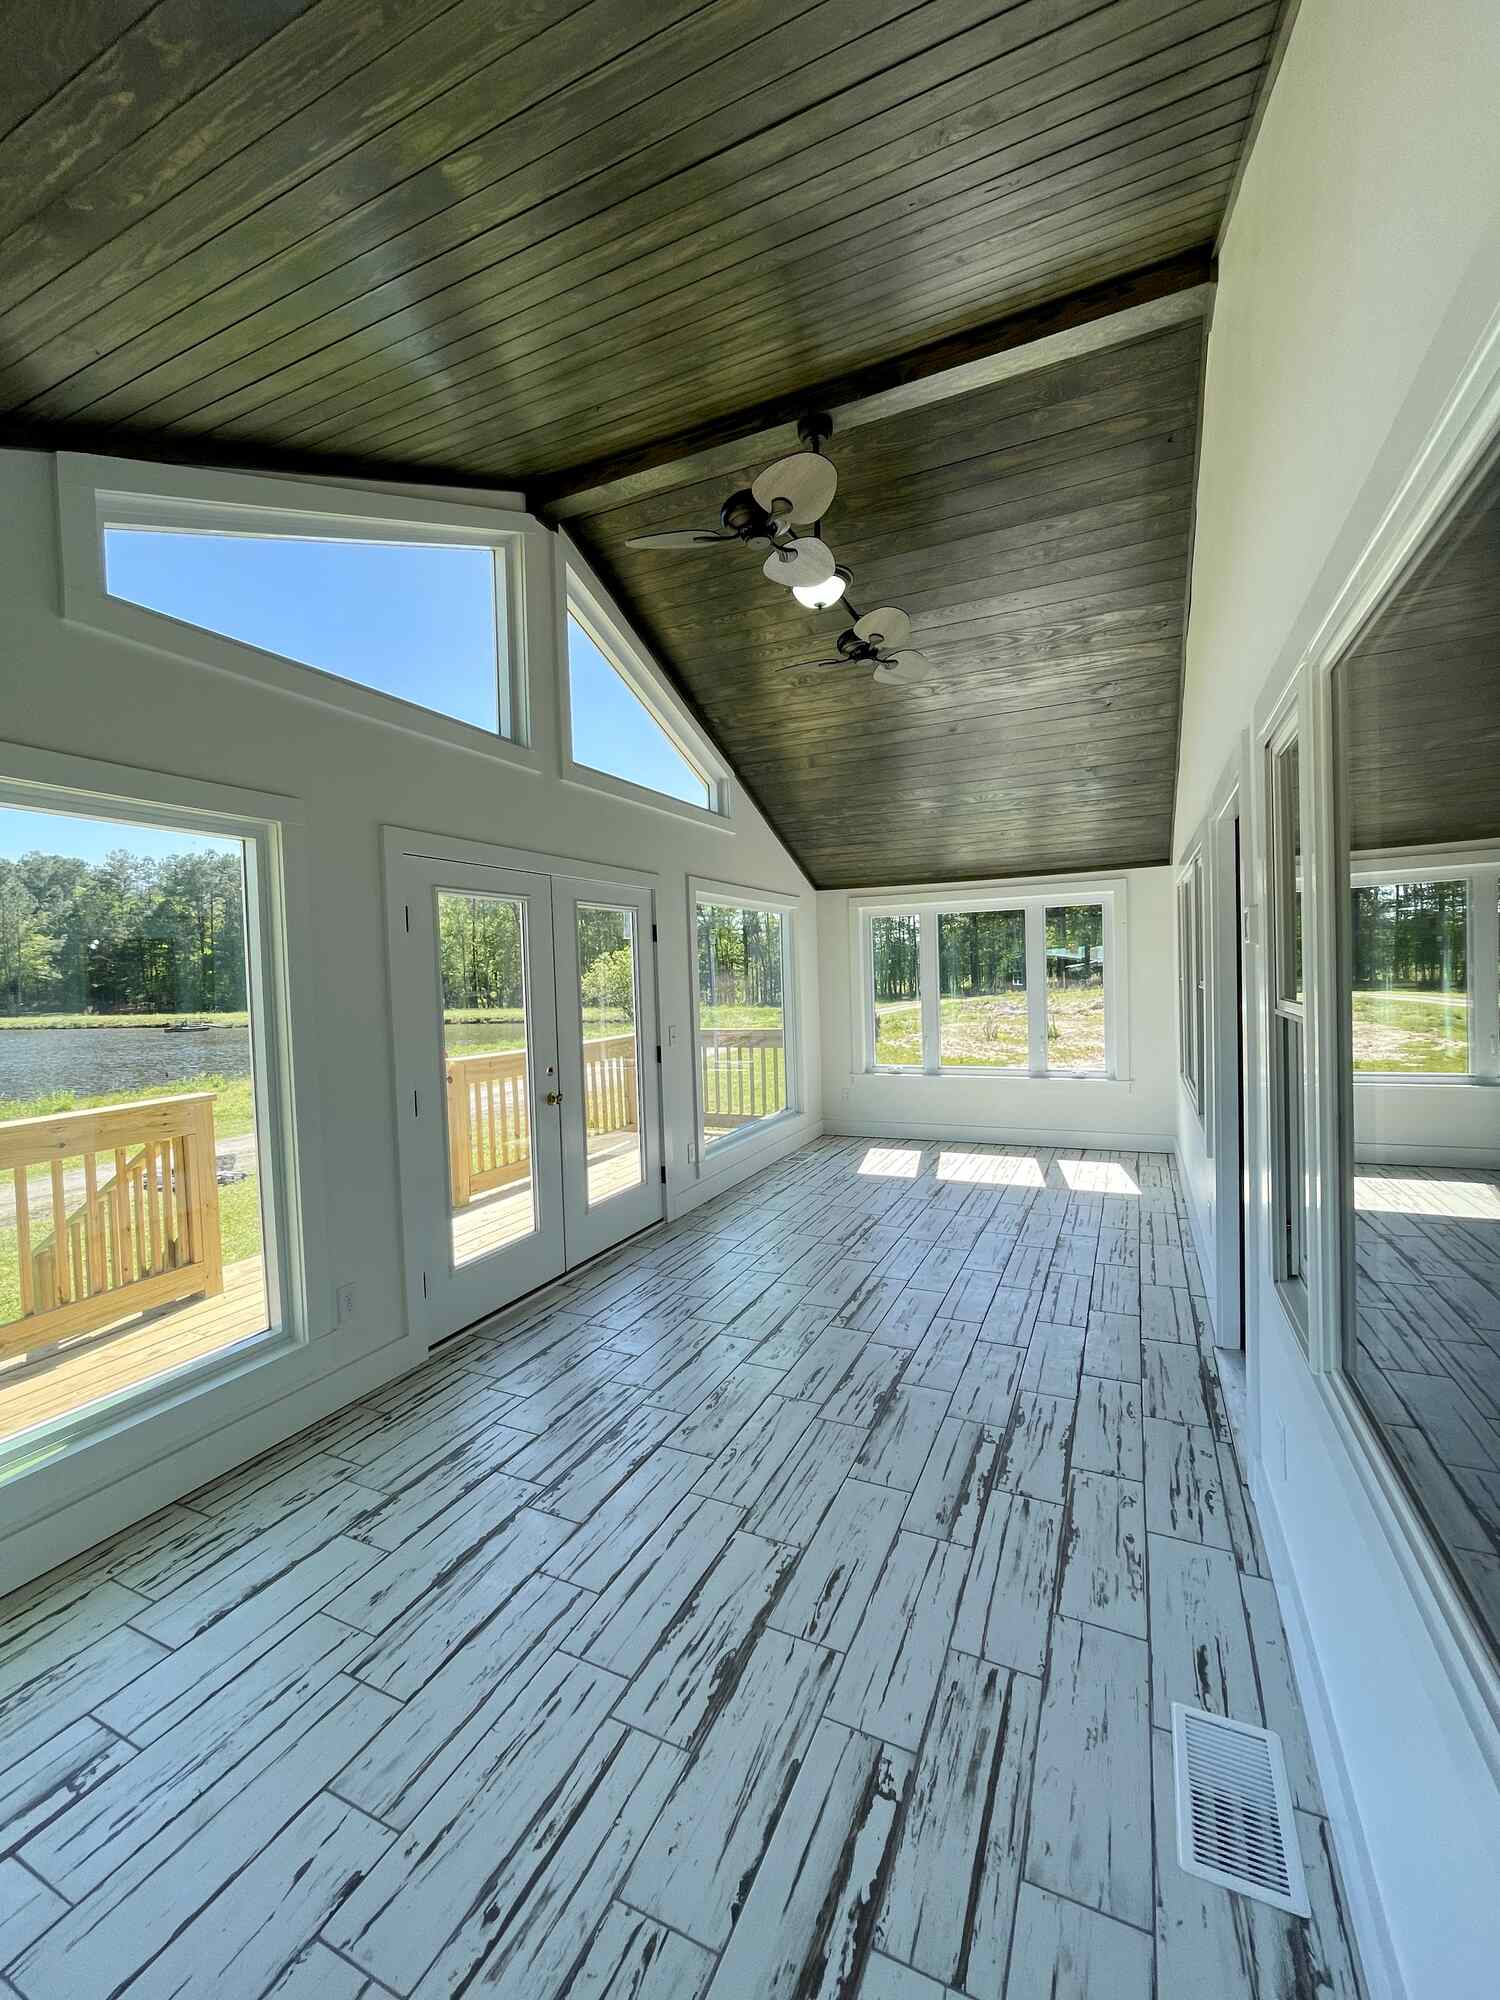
point(597, 250)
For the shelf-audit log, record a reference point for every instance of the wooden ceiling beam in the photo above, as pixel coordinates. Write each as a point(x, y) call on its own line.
point(1166, 293)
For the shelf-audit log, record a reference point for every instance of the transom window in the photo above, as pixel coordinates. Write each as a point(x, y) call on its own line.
point(1026, 985)
point(626, 731)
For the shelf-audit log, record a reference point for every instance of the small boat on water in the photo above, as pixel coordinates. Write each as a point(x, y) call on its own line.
point(187, 1028)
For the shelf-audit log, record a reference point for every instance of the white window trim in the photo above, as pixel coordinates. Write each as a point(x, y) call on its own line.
point(790, 906)
point(1193, 1011)
point(1032, 897)
point(98, 493)
point(581, 592)
point(1476, 863)
point(279, 937)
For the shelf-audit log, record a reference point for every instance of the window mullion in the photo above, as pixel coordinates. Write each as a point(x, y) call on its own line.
point(1036, 987)
point(1484, 973)
point(931, 1009)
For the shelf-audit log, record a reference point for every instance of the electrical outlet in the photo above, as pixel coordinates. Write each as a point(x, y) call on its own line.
point(345, 1304)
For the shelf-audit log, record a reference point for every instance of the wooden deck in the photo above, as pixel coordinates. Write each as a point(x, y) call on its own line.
point(491, 1221)
point(133, 1351)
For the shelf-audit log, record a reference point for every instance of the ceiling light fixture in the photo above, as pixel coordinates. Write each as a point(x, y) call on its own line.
point(820, 596)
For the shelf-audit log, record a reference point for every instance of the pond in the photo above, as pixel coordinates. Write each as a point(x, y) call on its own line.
point(92, 1061)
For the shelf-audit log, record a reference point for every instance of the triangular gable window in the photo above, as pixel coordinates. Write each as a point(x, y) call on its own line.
point(615, 732)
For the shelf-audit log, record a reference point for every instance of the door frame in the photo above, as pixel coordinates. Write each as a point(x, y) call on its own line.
point(400, 844)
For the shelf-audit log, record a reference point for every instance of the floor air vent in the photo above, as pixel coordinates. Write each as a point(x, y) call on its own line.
point(1234, 1809)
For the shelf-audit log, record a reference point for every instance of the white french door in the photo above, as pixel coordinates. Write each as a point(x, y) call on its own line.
point(524, 1009)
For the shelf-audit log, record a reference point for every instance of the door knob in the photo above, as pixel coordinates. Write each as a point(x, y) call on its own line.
point(554, 1097)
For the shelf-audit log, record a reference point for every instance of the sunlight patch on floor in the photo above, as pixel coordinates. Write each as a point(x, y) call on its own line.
point(892, 1162)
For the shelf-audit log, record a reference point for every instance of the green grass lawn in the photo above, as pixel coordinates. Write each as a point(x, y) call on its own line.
point(1411, 1034)
point(992, 1032)
point(119, 1020)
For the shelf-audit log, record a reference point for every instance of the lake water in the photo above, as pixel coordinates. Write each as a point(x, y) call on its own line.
point(91, 1061)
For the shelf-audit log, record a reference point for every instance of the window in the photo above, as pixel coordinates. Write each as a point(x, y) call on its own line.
point(744, 997)
point(1023, 985)
point(140, 1233)
point(614, 731)
point(407, 611)
point(1192, 991)
point(1421, 971)
point(1289, 1027)
point(624, 728)
point(896, 991)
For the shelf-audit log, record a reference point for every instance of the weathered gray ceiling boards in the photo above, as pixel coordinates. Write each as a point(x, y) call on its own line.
point(567, 244)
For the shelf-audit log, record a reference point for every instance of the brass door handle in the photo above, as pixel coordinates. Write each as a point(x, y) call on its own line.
point(554, 1097)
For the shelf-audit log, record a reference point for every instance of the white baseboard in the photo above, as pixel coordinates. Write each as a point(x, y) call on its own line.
point(991, 1134)
point(1377, 1952)
point(744, 1157)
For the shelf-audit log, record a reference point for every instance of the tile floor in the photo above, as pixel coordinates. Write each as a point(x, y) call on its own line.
point(793, 1606)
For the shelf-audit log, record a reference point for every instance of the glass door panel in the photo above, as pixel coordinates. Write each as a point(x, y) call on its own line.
point(606, 1011)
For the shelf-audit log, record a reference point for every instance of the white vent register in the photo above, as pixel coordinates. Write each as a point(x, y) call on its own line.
point(1235, 1824)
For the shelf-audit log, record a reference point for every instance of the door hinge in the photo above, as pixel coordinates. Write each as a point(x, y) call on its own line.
point(416, 1109)
point(663, 1176)
point(653, 934)
point(424, 1284)
point(408, 917)
point(658, 1052)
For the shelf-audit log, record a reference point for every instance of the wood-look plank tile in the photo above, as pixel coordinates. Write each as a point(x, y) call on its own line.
point(951, 1892)
point(1103, 1564)
point(317, 1973)
point(1053, 1359)
point(986, 1390)
point(1278, 1688)
point(1200, 1650)
point(55, 1776)
point(37, 1708)
point(28, 1908)
point(597, 1550)
point(578, 1465)
point(802, 1488)
point(865, 1386)
point(1011, 1316)
point(830, 1588)
point(811, 1908)
point(1184, 1494)
point(1033, 1454)
point(1112, 1347)
point(812, 1379)
point(700, 1858)
point(1107, 1429)
point(1065, 1952)
point(1090, 1838)
point(888, 1979)
point(901, 1435)
point(1005, 1610)
point(941, 1356)
point(890, 1672)
point(632, 1957)
point(1172, 1383)
point(950, 1497)
point(1169, 1314)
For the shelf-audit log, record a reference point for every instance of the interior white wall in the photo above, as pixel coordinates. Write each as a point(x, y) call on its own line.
point(1132, 1111)
point(67, 688)
point(1360, 268)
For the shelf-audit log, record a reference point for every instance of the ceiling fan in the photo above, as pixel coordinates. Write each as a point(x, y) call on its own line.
point(792, 492)
point(881, 637)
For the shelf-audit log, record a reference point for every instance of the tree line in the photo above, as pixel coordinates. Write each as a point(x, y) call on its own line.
point(482, 962)
point(1411, 934)
point(739, 956)
point(131, 934)
point(984, 951)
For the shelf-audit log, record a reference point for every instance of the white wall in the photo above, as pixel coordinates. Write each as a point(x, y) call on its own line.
point(1136, 1110)
point(1443, 1125)
point(1360, 268)
point(67, 688)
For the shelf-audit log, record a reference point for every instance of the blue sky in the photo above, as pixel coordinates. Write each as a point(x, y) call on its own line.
point(91, 839)
point(613, 732)
point(412, 621)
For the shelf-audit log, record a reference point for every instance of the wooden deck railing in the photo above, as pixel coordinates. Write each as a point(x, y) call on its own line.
point(146, 1231)
point(743, 1074)
point(489, 1116)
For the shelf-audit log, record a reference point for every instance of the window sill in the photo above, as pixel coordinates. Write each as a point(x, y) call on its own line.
point(1379, 1078)
point(721, 1149)
point(590, 780)
point(994, 1075)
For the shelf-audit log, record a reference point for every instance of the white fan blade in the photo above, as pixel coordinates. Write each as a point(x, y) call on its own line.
point(679, 538)
point(805, 560)
point(904, 670)
point(885, 626)
point(799, 488)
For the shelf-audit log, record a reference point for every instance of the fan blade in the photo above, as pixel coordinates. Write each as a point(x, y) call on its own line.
point(679, 538)
point(799, 488)
point(885, 626)
point(805, 560)
point(907, 669)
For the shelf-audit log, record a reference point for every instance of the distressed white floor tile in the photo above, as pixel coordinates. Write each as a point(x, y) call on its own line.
point(1200, 1650)
point(632, 1957)
point(1107, 1429)
point(986, 1390)
point(1103, 1564)
point(1005, 1609)
point(903, 1433)
point(890, 1672)
point(1033, 1455)
point(957, 1480)
point(826, 1596)
point(1065, 1952)
point(801, 1490)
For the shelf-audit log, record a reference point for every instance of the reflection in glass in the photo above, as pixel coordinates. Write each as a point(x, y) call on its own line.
point(135, 1210)
point(985, 1022)
point(608, 979)
point(742, 1071)
point(1075, 987)
point(481, 944)
point(1415, 699)
point(896, 990)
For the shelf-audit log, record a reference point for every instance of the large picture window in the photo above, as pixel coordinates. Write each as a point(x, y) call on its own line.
point(745, 1059)
point(1419, 960)
point(1025, 985)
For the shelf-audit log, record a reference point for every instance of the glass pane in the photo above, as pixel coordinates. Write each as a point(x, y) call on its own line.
point(614, 731)
point(1075, 986)
point(1417, 711)
point(126, 1013)
point(1293, 1143)
point(482, 959)
point(1409, 1005)
point(983, 1016)
point(741, 1017)
point(896, 990)
point(607, 981)
point(422, 623)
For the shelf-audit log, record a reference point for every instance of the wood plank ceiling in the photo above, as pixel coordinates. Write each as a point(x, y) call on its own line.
point(540, 244)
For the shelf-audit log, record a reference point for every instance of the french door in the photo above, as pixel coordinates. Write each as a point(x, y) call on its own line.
point(524, 1007)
